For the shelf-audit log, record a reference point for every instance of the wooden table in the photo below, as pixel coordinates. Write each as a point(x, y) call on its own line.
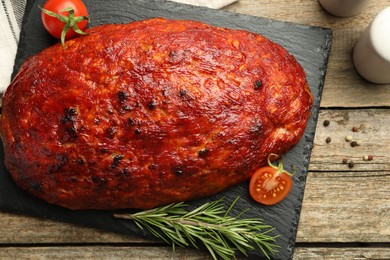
point(346, 210)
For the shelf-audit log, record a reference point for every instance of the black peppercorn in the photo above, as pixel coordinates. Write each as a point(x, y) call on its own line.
point(122, 96)
point(258, 84)
point(351, 164)
point(116, 161)
point(203, 152)
point(178, 171)
point(182, 92)
point(326, 123)
point(152, 104)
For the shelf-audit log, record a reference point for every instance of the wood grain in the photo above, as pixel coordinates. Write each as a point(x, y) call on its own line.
point(356, 253)
point(372, 132)
point(345, 207)
point(101, 252)
point(141, 253)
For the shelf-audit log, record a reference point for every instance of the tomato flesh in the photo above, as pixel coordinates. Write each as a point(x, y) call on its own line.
point(268, 186)
point(54, 26)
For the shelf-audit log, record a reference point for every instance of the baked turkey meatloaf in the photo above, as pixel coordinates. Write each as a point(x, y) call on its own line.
point(148, 113)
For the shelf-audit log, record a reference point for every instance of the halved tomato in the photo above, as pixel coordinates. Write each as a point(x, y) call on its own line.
point(270, 184)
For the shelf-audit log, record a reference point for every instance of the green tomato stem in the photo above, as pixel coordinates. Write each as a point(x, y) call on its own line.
point(280, 167)
point(70, 21)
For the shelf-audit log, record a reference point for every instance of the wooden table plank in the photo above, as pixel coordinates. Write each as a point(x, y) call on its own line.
point(18, 229)
point(345, 207)
point(157, 253)
point(357, 253)
point(372, 132)
point(101, 252)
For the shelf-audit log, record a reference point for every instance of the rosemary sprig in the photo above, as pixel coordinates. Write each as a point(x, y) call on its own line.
point(209, 224)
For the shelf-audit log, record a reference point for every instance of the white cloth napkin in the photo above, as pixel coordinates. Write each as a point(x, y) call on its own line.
point(215, 4)
point(11, 15)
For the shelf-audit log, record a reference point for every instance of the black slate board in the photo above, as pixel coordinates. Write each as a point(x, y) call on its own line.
point(310, 46)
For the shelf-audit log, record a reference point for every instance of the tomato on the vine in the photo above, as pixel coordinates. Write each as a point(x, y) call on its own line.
point(64, 19)
point(270, 184)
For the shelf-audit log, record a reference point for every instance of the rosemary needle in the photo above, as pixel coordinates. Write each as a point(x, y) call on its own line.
point(222, 235)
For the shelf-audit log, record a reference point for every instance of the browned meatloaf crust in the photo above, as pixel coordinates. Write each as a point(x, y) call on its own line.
point(152, 112)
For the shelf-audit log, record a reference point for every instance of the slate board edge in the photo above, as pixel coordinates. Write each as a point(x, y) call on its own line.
point(327, 45)
point(30, 4)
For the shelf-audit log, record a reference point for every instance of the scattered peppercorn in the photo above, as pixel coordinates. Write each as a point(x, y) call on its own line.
point(258, 84)
point(80, 161)
point(355, 129)
point(368, 158)
point(122, 96)
point(69, 116)
point(348, 138)
point(152, 104)
point(131, 121)
point(116, 161)
point(178, 171)
point(203, 152)
point(183, 92)
point(127, 107)
point(326, 123)
point(345, 161)
point(328, 140)
point(351, 164)
point(354, 143)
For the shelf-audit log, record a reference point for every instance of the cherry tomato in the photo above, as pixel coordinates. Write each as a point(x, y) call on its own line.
point(270, 184)
point(68, 15)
